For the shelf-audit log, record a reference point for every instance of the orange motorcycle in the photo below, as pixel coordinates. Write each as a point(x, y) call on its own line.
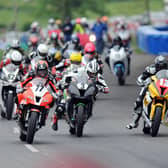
point(35, 103)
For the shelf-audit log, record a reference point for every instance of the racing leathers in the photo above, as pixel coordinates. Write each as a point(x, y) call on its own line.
point(86, 60)
point(138, 105)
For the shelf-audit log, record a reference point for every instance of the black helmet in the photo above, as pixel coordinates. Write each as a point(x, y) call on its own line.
point(117, 40)
point(75, 39)
point(160, 63)
point(42, 68)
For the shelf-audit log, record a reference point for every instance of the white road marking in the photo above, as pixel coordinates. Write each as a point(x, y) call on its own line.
point(31, 148)
point(16, 130)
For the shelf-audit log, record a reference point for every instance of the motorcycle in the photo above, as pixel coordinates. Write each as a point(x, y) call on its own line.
point(118, 62)
point(80, 97)
point(9, 78)
point(35, 103)
point(155, 103)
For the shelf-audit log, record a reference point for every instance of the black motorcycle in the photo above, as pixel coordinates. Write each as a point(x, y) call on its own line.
point(80, 98)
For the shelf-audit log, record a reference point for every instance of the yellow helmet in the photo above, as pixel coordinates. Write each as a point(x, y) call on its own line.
point(58, 56)
point(76, 57)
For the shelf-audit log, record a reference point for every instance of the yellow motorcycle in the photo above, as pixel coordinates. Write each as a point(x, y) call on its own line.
point(155, 103)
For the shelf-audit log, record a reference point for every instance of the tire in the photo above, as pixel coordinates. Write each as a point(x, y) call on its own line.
point(32, 127)
point(121, 80)
point(22, 136)
point(146, 130)
point(9, 106)
point(79, 121)
point(72, 131)
point(156, 121)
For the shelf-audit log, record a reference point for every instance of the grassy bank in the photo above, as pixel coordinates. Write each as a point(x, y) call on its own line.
point(29, 11)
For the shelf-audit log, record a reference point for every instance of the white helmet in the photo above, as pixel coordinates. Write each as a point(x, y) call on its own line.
point(92, 68)
point(16, 57)
point(42, 50)
point(51, 21)
point(83, 20)
point(15, 43)
point(35, 24)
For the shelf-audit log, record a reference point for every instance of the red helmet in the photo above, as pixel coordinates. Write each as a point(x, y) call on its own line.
point(90, 50)
point(78, 20)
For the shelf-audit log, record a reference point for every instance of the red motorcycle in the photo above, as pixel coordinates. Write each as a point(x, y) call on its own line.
point(34, 105)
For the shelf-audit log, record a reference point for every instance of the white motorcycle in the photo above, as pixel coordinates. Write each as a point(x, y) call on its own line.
point(9, 78)
point(118, 63)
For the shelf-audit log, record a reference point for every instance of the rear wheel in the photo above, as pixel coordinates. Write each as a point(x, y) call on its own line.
point(156, 121)
point(79, 121)
point(9, 106)
point(32, 122)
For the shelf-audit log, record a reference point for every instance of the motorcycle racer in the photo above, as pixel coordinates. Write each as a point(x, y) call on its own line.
point(15, 58)
point(41, 71)
point(54, 41)
point(92, 70)
point(160, 63)
point(118, 42)
point(90, 54)
point(74, 44)
point(71, 71)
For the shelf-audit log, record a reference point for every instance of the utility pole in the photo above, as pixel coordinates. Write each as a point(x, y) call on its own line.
point(147, 6)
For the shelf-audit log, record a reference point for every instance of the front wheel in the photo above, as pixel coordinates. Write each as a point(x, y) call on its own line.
point(80, 121)
point(121, 81)
point(22, 136)
point(156, 121)
point(32, 122)
point(9, 106)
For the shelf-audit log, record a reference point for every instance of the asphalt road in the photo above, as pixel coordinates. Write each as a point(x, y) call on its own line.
point(106, 142)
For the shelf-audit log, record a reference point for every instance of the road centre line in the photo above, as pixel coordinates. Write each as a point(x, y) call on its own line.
point(16, 130)
point(31, 148)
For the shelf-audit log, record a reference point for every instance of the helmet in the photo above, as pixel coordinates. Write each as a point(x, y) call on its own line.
point(90, 50)
point(105, 19)
point(75, 39)
point(117, 40)
point(160, 63)
point(76, 57)
point(51, 21)
point(78, 20)
point(41, 68)
point(34, 26)
point(54, 36)
point(58, 56)
point(16, 58)
point(83, 20)
point(92, 68)
point(42, 50)
point(15, 44)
